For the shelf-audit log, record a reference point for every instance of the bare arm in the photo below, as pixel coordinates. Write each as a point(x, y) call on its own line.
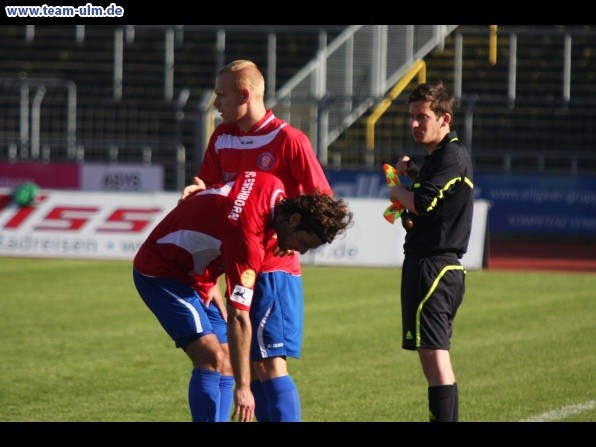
point(239, 337)
point(405, 167)
point(405, 197)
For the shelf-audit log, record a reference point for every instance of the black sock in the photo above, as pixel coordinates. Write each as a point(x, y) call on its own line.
point(455, 404)
point(442, 403)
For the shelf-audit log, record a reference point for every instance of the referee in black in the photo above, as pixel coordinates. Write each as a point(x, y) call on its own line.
point(440, 202)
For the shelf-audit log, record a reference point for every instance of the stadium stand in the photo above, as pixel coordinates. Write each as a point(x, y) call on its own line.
point(141, 91)
point(128, 108)
point(541, 129)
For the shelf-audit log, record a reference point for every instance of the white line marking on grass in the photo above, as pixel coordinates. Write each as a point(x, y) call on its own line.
point(561, 413)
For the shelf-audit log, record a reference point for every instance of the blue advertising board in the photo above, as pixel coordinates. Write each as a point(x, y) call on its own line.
point(538, 205)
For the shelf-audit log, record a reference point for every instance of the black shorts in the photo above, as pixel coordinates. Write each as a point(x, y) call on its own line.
point(432, 290)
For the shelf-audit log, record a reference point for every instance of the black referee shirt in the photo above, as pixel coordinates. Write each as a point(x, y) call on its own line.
point(444, 198)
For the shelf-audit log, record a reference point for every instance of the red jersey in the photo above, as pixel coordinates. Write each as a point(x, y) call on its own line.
point(203, 283)
point(273, 146)
point(229, 220)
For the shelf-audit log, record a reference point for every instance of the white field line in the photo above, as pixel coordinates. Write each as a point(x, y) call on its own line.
point(562, 413)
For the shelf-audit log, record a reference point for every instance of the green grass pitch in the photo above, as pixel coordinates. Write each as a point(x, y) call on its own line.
point(79, 345)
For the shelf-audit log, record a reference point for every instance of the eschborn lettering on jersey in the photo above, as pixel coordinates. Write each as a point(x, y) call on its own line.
point(242, 197)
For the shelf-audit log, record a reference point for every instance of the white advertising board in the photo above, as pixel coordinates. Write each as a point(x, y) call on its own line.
point(112, 225)
point(121, 177)
point(77, 224)
point(371, 242)
point(374, 242)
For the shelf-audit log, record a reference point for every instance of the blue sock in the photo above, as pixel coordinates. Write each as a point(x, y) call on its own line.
point(261, 407)
point(204, 395)
point(283, 398)
point(226, 398)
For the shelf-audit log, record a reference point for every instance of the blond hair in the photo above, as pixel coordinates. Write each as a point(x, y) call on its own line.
point(246, 75)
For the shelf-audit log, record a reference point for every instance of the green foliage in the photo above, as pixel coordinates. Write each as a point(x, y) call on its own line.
point(78, 344)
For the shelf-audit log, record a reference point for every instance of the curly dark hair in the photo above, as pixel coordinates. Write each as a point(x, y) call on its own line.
point(321, 214)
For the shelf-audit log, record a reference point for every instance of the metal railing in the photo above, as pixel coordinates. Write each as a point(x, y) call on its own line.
point(24, 138)
point(350, 75)
point(329, 98)
point(537, 95)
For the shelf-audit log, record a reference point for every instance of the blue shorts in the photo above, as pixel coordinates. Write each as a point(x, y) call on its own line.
point(277, 316)
point(220, 326)
point(179, 309)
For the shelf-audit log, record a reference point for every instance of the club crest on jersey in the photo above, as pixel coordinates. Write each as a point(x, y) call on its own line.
point(265, 161)
point(248, 278)
point(242, 295)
